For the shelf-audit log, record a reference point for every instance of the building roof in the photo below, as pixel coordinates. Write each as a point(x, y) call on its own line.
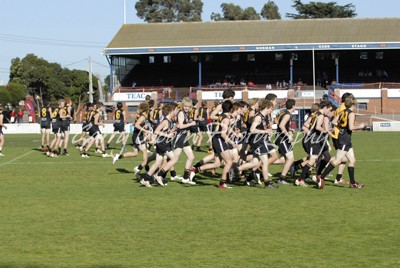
point(229, 36)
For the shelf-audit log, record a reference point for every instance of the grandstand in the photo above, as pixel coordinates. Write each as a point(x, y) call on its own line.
point(321, 56)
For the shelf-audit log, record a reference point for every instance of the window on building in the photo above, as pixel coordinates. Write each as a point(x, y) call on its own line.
point(362, 106)
point(379, 55)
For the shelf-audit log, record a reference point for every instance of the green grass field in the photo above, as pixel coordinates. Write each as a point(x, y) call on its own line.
point(75, 212)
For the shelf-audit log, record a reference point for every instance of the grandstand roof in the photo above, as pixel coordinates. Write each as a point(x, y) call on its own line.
point(261, 35)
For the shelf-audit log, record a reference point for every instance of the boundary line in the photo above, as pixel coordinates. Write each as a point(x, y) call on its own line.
point(12, 160)
point(102, 163)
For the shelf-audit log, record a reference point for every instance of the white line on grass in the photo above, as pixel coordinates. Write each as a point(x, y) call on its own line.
point(12, 160)
point(102, 163)
point(67, 162)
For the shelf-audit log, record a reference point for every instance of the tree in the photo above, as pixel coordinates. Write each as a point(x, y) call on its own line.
point(189, 10)
point(270, 11)
point(31, 71)
point(235, 12)
point(17, 93)
point(49, 80)
point(250, 14)
point(318, 10)
point(5, 96)
point(169, 10)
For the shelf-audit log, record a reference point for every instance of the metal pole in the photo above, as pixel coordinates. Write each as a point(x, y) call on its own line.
point(291, 72)
point(199, 86)
point(90, 81)
point(337, 70)
point(313, 62)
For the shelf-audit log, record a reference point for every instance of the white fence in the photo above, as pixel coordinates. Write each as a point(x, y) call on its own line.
point(386, 126)
point(75, 128)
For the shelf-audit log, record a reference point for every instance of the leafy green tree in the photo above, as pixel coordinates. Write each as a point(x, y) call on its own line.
point(235, 12)
point(169, 10)
point(270, 11)
point(17, 93)
point(107, 82)
point(189, 10)
point(250, 14)
point(49, 80)
point(318, 10)
point(31, 71)
point(5, 96)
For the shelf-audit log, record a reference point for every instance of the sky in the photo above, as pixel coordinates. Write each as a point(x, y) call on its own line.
point(68, 32)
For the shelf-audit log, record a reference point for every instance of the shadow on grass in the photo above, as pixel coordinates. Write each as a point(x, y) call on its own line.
point(123, 170)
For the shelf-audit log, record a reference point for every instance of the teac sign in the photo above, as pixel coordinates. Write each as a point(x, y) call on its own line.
point(132, 96)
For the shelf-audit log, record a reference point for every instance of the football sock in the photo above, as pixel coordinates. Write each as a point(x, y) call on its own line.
point(321, 167)
point(328, 170)
point(186, 174)
point(173, 173)
point(140, 167)
point(304, 172)
point(351, 174)
point(199, 164)
point(161, 173)
point(338, 177)
point(147, 177)
point(297, 163)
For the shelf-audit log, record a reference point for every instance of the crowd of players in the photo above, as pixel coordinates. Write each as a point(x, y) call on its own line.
point(240, 136)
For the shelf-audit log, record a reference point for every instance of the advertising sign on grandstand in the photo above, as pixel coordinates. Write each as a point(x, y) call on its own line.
point(393, 93)
point(363, 93)
point(281, 94)
point(130, 96)
point(217, 95)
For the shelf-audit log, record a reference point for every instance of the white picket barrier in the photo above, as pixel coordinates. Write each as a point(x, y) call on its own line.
point(386, 126)
point(74, 128)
